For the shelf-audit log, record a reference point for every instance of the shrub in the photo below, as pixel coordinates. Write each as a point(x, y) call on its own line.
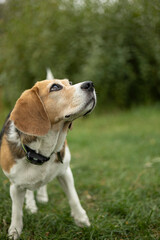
point(115, 45)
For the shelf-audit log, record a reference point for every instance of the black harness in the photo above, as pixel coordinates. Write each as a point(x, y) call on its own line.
point(37, 158)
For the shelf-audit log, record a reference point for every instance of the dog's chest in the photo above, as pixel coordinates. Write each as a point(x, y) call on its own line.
point(30, 176)
point(27, 175)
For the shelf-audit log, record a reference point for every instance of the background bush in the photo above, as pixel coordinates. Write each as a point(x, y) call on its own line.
point(115, 45)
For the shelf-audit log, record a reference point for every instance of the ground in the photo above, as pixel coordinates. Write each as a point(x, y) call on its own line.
point(116, 166)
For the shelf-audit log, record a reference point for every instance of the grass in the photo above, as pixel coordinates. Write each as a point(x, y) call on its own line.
point(116, 166)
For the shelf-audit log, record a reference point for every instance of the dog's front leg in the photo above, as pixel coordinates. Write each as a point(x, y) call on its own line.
point(42, 195)
point(30, 202)
point(17, 196)
point(79, 214)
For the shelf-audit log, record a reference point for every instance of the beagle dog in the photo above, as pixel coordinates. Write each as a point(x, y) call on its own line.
point(33, 146)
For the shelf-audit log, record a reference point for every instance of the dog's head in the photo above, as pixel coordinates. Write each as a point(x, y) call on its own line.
point(51, 101)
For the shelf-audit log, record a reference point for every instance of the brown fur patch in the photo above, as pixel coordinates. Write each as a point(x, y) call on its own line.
point(29, 114)
point(62, 153)
point(26, 139)
point(13, 151)
point(56, 102)
point(16, 151)
point(38, 108)
point(6, 156)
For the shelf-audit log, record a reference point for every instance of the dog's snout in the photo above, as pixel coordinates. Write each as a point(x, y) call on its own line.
point(88, 86)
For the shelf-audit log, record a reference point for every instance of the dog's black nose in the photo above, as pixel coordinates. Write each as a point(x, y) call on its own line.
point(88, 86)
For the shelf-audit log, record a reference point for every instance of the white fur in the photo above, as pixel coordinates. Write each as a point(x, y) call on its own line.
point(24, 175)
point(80, 98)
point(31, 176)
point(17, 196)
point(49, 74)
point(42, 195)
point(30, 202)
point(67, 183)
point(13, 135)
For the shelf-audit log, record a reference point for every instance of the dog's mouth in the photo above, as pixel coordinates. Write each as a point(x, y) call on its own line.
point(82, 112)
point(92, 100)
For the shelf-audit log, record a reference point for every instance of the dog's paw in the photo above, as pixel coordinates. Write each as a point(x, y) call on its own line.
point(42, 198)
point(32, 208)
point(14, 232)
point(81, 219)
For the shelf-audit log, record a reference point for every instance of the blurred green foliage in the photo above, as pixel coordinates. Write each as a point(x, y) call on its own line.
point(115, 45)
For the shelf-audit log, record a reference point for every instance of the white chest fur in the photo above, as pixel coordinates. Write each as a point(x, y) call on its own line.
point(30, 176)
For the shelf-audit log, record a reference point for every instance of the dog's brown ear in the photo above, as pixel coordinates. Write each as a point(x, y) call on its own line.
point(29, 114)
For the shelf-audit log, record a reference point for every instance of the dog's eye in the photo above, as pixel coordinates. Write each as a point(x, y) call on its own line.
point(55, 87)
point(70, 83)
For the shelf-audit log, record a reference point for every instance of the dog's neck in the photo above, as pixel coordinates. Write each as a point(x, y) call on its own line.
point(53, 141)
